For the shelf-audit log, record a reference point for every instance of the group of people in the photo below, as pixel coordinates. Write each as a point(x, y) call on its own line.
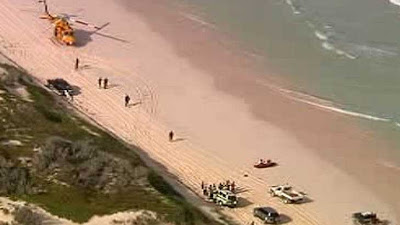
point(209, 190)
point(103, 83)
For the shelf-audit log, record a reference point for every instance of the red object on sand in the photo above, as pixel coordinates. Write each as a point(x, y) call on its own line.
point(265, 164)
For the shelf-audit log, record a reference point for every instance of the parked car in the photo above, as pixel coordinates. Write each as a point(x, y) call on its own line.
point(225, 198)
point(286, 193)
point(363, 218)
point(267, 214)
point(264, 164)
point(60, 85)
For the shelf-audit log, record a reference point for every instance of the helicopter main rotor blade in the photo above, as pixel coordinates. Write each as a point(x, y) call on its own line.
point(86, 24)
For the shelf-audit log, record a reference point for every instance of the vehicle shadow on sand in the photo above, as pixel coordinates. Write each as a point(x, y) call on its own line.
point(75, 90)
point(243, 202)
point(239, 190)
point(283, 218)
point(306, 200)
point(385, 222)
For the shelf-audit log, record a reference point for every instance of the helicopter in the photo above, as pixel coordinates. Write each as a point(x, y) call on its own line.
point(63, 31)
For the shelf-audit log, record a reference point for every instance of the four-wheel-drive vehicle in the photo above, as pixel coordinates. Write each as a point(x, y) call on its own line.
point(286, 193)
point(59, 85)
point(266, 214)
point(225, 198)
point(365, 218)
point(264, 164)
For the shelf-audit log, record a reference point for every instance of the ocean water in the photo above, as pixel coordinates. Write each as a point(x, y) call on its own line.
point(344, 52)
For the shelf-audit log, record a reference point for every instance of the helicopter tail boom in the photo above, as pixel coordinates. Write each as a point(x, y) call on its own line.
point(46, 10)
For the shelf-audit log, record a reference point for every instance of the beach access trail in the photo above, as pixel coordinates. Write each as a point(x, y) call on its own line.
point(218, 137)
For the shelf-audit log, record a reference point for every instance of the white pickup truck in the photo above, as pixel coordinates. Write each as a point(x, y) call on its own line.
point(286, 193)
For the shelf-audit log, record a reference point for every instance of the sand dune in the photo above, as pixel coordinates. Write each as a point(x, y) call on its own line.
point(221, 137)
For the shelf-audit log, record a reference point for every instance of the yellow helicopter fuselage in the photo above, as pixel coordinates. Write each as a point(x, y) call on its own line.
point(63, 31)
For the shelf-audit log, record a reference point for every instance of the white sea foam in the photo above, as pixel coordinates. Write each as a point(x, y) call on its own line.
point(311, 25)
point(330, 47)
point(370, 51)
point(294, 8)
point(321, 35)
point(198, 20)
point(323, 104)
point(388, 164)
point(395, 2)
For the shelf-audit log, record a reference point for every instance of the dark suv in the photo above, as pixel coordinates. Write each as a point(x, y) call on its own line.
point(363, 218)
point(267, 214)
point(60, 85)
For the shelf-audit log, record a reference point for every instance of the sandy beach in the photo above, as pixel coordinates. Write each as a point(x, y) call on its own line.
point(182, 75)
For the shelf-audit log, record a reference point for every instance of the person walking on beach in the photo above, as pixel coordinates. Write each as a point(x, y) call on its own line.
point(127, 100)
point(76, 64)
point(105, 83)
point(171, 135)
point(99, 81)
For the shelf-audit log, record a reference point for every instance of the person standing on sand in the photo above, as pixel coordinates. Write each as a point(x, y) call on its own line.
point(76, 64)
point(127, 100)
point(171, 135)
point(105, 83)
point(99, 81)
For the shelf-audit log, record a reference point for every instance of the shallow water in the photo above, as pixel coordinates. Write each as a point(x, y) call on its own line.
point(343, 51)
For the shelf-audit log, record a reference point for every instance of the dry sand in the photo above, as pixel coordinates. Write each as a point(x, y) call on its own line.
point(181, 76)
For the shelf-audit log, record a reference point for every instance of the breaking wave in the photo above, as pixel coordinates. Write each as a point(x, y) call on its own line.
point(327, 43)
point(198, 20)
point(370, 51)
point(321, 36)
point(390, 165)
point(395, 2)
point(326, 105)
point(295, 8)
point(330, 47)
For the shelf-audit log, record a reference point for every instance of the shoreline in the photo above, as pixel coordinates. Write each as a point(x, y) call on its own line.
point(349, 126)
point(169, 104)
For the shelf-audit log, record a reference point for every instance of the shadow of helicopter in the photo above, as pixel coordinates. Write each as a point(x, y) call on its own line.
point(83, 36)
